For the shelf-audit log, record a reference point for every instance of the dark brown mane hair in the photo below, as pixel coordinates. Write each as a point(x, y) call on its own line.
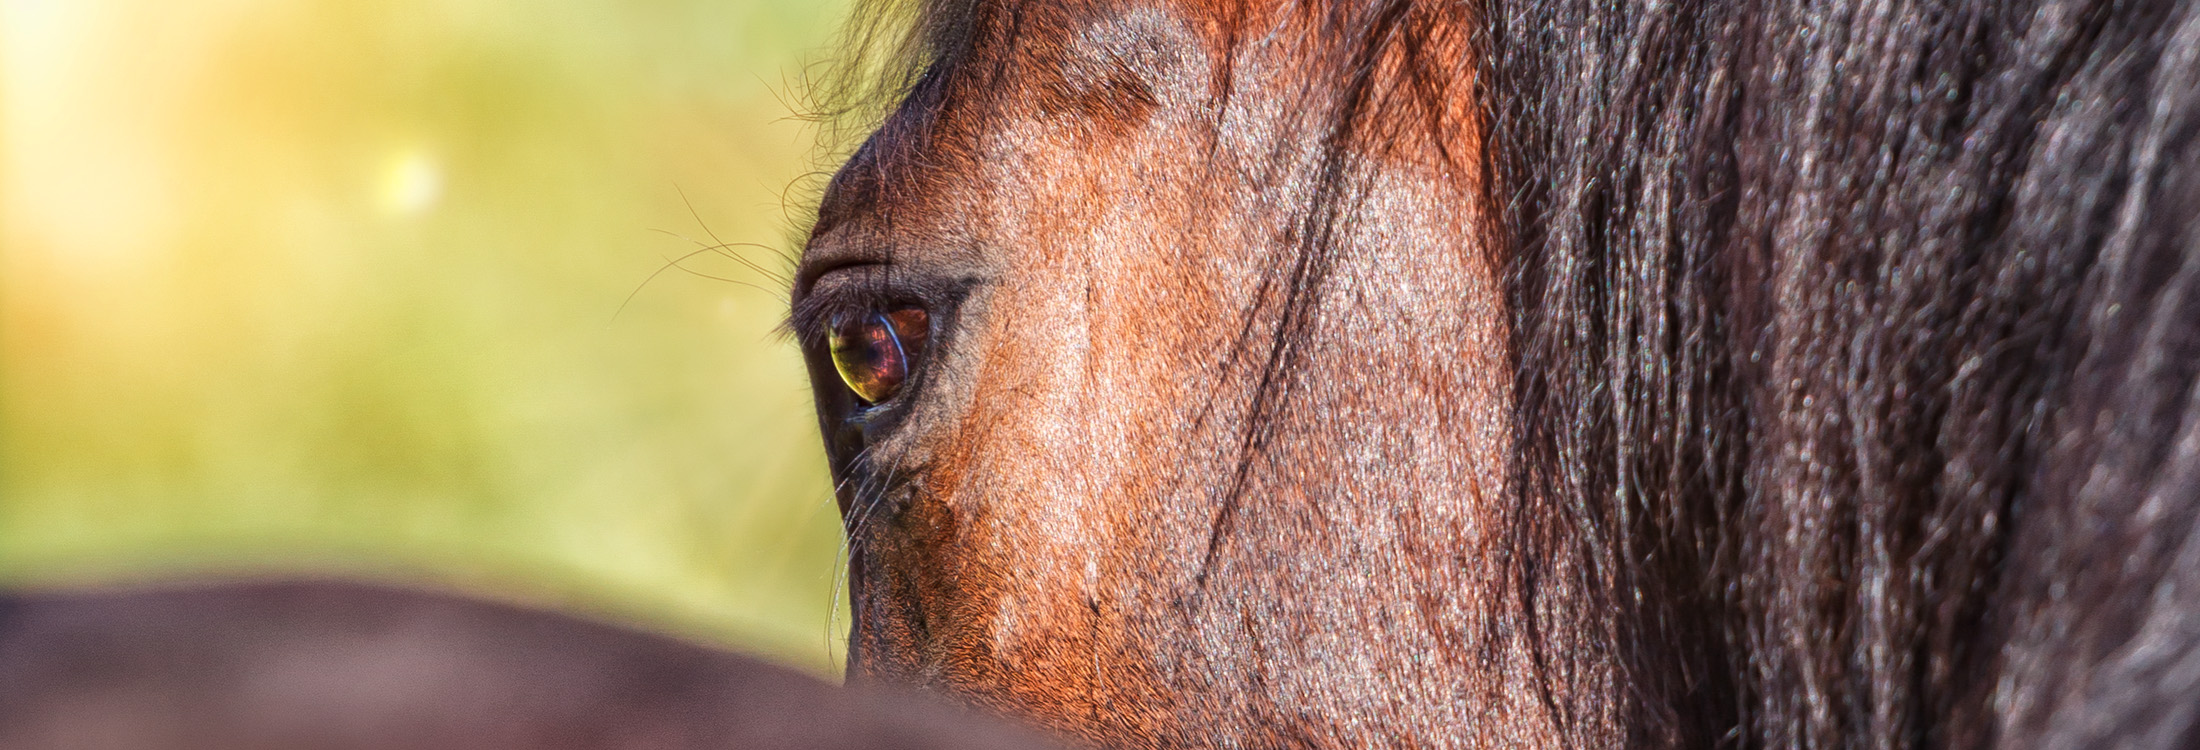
point(1856, 348)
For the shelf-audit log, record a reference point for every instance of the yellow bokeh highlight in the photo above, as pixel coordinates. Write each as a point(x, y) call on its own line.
point(358, 287)
point(411, 183)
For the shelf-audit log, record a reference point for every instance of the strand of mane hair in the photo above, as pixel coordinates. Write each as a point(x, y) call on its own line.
point(1856, 350)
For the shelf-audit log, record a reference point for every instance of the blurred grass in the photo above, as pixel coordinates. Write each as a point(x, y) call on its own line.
point(300, 285)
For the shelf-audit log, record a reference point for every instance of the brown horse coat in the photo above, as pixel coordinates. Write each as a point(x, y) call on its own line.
point(1402, 372)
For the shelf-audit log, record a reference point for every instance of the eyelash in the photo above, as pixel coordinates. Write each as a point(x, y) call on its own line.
point(872, 293)
point(812, 318)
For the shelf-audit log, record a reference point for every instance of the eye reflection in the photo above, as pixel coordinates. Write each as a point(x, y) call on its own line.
point(874, 352)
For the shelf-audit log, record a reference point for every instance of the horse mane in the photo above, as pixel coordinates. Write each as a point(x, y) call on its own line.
point(1856, 350)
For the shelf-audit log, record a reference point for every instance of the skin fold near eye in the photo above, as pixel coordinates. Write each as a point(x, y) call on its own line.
point(874, 352)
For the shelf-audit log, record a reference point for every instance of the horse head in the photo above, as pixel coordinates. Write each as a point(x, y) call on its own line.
point(1160, 358)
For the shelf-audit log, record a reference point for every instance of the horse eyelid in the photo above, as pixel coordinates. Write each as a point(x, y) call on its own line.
point(865, 292)
point(818, 309)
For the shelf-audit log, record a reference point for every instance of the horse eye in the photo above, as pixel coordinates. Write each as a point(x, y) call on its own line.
point(875, 352)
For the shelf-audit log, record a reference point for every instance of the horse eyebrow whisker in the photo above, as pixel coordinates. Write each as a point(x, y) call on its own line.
point(725, 249)
point(698, 216)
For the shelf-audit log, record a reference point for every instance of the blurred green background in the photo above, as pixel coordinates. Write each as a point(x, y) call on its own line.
point(328, 285)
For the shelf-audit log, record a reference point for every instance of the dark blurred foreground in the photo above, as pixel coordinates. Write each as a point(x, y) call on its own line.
point(341, 666)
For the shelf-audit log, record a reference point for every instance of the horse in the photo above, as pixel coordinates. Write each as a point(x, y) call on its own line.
point(1372, 373)
point(1263, 373)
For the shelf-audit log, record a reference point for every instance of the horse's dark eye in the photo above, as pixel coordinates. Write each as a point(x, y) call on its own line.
point(874, 352)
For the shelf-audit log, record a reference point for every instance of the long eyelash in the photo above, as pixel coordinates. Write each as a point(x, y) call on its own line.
point(806, 321)
point(867, 294)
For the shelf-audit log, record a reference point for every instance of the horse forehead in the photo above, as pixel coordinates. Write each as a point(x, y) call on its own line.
point(1028, 54)
point(1074, 32)
point(1150, 38)
point(1104, 67)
